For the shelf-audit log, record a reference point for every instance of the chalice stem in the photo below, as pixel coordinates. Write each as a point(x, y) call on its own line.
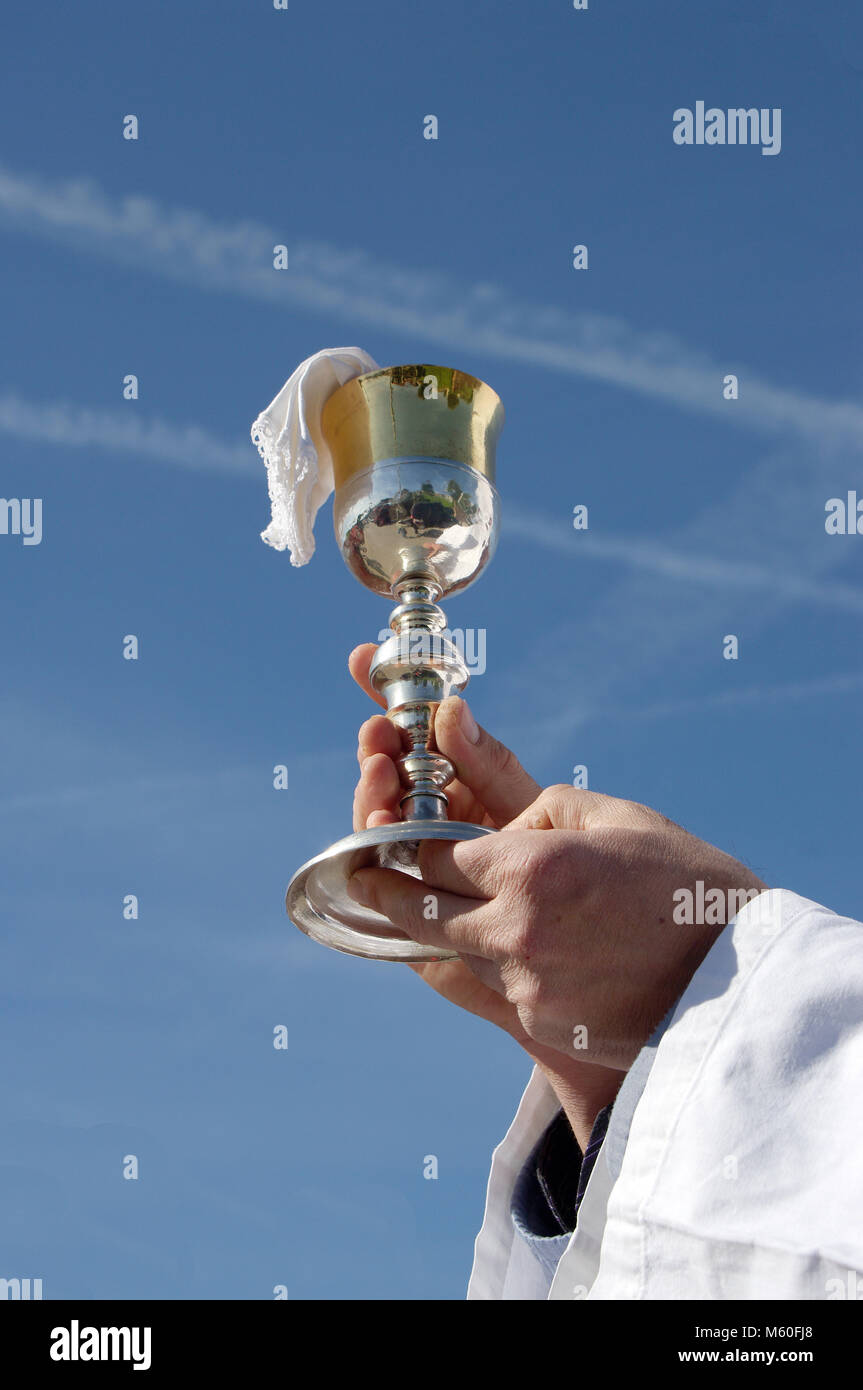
point(414, 670)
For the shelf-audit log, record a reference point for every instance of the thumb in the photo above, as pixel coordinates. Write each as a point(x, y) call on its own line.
point(488, 768)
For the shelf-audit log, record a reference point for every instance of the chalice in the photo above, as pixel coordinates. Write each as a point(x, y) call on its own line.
point(416, 517)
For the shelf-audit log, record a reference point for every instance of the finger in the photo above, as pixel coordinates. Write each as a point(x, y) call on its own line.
point(358, 665)
point(471, 868)
point(378, 789)
point(465, 982)
point(562, 807)
point(378, 735)
point(490, 973)
point(491, 771)
point(463, 805)
point(436, 919)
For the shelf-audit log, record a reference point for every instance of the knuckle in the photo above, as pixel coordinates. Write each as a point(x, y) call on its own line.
point(529, 1016)
point(522, 991)
point(513, 852)
point(364, 731)
point(637, 816)
point(427, 859)
point(526, 930)
point(550, 868)
point(503, 759)
point(558, 790)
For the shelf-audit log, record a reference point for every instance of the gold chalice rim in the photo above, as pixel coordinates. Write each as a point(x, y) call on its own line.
point(373, 418)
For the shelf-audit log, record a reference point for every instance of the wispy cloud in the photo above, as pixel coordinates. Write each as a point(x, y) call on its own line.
point(59, 422)
point(845, 684)
point(189, 446)
point(152, 788)
point(26, 736)
point(665, 560)
point(677, 591)
point(733, 567)
point(432, 308)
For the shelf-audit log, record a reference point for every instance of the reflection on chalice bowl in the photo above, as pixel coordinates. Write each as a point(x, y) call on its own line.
point(416, 517)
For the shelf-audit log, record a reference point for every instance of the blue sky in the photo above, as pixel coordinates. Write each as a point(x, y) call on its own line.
point(154, 777)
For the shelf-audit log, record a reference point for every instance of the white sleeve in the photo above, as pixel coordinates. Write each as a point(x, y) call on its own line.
point(504, 1267)
point(736, 1172)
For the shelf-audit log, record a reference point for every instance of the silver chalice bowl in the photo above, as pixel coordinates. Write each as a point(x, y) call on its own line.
point(416, 517)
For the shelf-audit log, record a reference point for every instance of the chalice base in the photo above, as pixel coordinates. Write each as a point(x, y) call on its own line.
point(317, 899)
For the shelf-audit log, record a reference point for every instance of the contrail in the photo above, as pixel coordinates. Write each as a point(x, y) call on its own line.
point(767, 536)
point(58, 422)
point(189, 446)
point(843, 684)
point(672, 563)
point(431, 307)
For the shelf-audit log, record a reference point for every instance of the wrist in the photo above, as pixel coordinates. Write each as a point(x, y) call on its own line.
point(582, 1088)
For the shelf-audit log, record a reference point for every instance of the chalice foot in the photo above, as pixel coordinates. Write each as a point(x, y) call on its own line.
point(318, 901)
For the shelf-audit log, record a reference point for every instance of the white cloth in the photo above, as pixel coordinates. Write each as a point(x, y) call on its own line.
point(288, 437)
point(731, 1167)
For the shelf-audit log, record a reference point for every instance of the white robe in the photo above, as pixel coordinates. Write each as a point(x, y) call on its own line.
point(733, 1163)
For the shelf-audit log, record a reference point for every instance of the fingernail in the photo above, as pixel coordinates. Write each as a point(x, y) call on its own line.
point(469, 726)
point(356, 889)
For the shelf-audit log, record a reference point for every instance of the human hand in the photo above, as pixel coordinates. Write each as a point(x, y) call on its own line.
point(499, 789)
point(490, 789)
point(566, 915)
